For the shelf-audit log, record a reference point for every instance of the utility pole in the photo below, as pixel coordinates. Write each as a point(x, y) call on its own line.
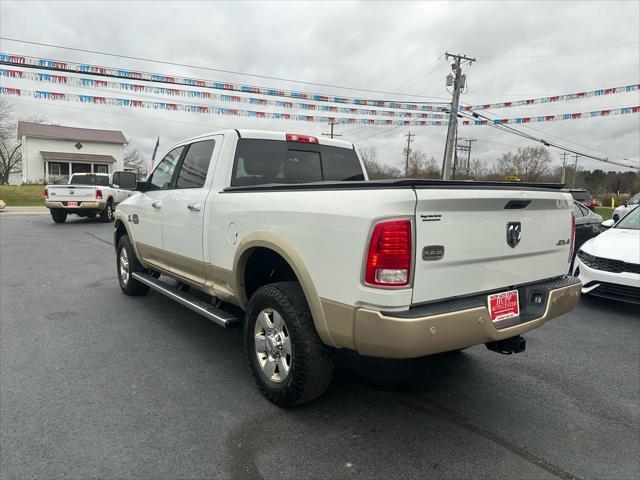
point(564, 166)
point(331, 134)
point(458, 80)
point(575, 170)
point(406, 163)
point(465, 149)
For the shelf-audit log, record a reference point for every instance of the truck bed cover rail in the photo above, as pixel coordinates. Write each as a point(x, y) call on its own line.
point(399, 183)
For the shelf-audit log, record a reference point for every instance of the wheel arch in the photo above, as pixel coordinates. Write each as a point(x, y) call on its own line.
point(268, 243)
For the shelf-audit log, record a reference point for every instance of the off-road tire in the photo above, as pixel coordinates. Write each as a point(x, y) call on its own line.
point(131, 286)
point(107, 214)
point(58, 215)
point(312, 363)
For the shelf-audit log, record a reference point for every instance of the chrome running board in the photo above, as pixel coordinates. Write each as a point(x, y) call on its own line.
point(216, 315)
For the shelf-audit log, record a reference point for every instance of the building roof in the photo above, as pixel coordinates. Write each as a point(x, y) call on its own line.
point(77, 157)
point(42, 130)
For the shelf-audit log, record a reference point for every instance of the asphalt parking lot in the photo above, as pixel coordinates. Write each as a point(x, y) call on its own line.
point(95, 384)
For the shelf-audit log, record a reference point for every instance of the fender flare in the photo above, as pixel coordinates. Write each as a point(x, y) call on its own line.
point(287, 251)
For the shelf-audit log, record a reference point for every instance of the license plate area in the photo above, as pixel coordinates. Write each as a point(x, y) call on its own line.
point(72, 204)
point(503, 305)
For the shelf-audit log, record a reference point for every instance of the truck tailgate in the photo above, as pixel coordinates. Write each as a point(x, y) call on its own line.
point(478, 240)
point(78, 193)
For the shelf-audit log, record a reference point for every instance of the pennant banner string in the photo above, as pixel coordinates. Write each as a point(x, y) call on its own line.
point(43, 63)
point(174, 92)
point(99, 100)
point(556, 98)
point(46, 64)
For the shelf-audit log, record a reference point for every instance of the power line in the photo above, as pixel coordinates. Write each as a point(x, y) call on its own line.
point(200, 67)
point(546, 143)
point(331, 134)
point(579, 52)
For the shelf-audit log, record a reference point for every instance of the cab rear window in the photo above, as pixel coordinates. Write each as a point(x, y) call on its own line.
point(100, 180)
point(260, 162)
point(581, 196)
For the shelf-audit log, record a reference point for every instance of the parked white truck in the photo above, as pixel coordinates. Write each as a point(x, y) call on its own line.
point(286, 231)
point(88, 195)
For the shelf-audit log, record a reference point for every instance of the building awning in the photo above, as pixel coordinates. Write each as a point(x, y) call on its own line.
point(76, 157)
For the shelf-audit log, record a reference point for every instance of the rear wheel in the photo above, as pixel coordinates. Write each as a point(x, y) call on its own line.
point(127, 263)
point(289, 362)
point(58, 215)
point(107, 214)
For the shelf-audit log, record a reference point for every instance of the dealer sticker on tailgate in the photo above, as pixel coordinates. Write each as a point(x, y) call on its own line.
point(504, 305)
point(72, 204)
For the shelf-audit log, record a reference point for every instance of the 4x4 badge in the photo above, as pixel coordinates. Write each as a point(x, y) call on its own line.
point(514, 233)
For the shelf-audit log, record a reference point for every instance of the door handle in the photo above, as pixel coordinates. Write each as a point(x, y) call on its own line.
point(194, 207)
point(157, 205)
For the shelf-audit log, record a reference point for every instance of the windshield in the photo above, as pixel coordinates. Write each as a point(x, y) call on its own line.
point(101, 180)
point(631, 221)
point(581, 196)
point(635, 200)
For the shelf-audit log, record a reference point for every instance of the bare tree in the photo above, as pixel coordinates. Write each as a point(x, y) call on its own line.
point(477, 169)
point(420, 166)
point(376, 170)
point(528, 163)
point(133, 160)
point(10, 152)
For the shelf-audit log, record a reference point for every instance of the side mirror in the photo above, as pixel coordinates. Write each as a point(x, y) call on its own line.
point(608, 223)
point(124, 180)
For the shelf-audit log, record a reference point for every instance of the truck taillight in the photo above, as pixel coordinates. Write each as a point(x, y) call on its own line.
point(389, 255)
point(46, 193)
point(573, 236)
point(98, 194)
point(294, 137)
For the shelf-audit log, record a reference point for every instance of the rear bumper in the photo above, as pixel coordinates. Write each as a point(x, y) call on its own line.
point(80, 206)
point(456, 324)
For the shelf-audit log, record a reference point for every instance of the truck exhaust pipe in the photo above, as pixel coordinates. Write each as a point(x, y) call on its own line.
point(508, 345)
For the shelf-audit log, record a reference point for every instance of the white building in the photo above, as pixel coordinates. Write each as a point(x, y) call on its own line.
point(50, 153)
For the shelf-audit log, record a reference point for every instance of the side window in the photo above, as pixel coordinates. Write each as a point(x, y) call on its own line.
point(195, 165)
point(161, 177)
point(577, 211)
point(635, 200)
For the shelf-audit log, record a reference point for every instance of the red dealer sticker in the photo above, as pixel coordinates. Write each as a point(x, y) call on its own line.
point(72, 204)
point(504, 305)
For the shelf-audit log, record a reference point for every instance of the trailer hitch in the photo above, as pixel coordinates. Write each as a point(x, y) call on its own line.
point(508, 345)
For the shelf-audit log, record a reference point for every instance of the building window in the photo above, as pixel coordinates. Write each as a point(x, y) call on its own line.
point(100, 168)
point(56, 168)
point(80, 168)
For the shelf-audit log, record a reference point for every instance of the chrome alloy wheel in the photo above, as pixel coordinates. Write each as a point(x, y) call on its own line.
point(124, 266)
point(273, 345)
point(110, 212)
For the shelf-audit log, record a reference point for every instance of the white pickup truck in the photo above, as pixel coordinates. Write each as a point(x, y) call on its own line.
point(88, 195)
point(284, 234)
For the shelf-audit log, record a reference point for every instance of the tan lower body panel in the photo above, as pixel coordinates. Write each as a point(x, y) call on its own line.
point(381, 336)
point(212, 280)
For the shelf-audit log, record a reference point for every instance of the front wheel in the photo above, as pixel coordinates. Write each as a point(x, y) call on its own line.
point(289, 362)
point(127, 263)
point(58, 215)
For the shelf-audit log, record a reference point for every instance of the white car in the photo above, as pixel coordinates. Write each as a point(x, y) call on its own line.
point(622, 210)
point(287, 228)
point(609, 265)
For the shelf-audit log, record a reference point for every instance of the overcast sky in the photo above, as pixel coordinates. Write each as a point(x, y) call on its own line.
point(523, 49)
